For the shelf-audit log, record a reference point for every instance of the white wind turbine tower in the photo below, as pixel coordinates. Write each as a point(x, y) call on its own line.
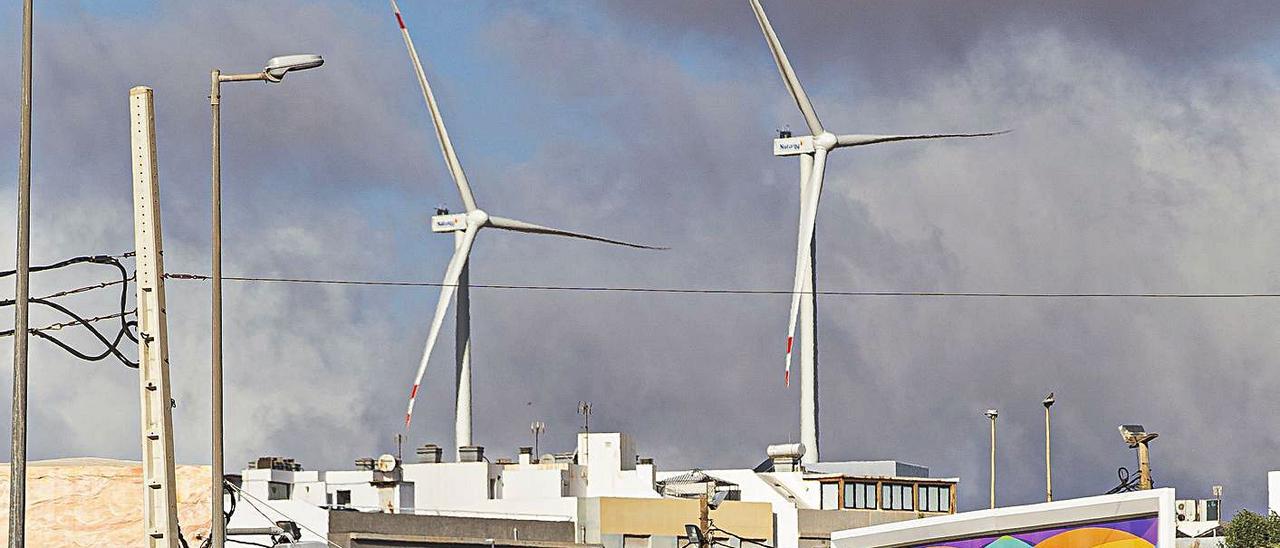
point(464, 226)
point(813, 150)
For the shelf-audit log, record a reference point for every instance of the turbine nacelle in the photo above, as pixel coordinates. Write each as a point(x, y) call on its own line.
point(449, 222)
point(804, 144)
point(454, 222)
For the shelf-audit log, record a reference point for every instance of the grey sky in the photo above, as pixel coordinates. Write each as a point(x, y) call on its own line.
point(1143, 158)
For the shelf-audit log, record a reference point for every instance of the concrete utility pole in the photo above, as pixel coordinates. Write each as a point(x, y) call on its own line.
point(22, 290)
point(1048, 458)
point(159, 506)
point(992, 414)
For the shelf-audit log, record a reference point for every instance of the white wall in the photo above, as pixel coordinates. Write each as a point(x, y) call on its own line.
point(448, 485)
point(610, 460)
point(1273, 492)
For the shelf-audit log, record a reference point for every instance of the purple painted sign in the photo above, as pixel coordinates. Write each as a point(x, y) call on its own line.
point(1131, 533)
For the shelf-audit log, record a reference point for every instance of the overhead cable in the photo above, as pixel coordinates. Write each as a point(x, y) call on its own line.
point(112, 344)
point(709, 291)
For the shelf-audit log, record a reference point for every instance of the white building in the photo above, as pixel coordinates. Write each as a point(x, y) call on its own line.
point(1131, 520)
point(609, 494)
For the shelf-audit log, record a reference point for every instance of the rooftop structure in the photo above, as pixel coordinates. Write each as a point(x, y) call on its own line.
point(603, 492)
point(1135, 519)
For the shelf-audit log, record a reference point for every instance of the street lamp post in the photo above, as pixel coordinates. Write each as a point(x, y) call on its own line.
point(992, 414)
point(274, 72)
point(1048, 461)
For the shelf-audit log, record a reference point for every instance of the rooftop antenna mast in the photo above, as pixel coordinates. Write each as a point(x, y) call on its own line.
point(584, 409)
point(464, 226)
point(812, 150)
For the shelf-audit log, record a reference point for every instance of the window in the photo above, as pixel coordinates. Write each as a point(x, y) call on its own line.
point(830, 496)
point(635, 541)
point(860, 496)
point(1211, 510)
point(896, 497)
point(935, 498)
point(344, 497)
point(278, 491)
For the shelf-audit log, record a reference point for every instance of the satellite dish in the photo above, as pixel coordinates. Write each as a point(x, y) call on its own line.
point(385, 463)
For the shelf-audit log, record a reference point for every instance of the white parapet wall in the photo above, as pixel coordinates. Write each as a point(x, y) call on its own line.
point(1142, 518)
point(1273, 492)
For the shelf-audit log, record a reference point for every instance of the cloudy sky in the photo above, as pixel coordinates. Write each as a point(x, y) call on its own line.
point(1143, 158)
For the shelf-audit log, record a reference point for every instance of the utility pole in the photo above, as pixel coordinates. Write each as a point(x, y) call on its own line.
point(1144, 466)
point(159, 506)
point(1048, 460)
point(22, 290)
point(704, 514)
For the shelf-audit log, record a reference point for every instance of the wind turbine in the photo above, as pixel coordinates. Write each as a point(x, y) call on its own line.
point(464, 227)
point(813, 150)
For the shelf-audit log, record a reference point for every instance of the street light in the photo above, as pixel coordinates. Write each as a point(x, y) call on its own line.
point(992, 414)
point(1048, 461)
point(274, 72)
point(1137, 437)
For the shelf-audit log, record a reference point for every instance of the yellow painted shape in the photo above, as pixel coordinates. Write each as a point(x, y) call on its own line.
point(1094, 537)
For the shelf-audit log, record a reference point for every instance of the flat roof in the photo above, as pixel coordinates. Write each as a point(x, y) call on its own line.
point(1015, 519)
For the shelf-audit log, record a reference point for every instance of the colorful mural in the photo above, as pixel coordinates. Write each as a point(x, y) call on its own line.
point(1132, 533)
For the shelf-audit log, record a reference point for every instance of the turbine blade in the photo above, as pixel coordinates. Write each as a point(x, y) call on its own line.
point(784, 67)
point(450, 286)
point(808, 219)
point(442, 134)
point(863, 140)
point(521, 226)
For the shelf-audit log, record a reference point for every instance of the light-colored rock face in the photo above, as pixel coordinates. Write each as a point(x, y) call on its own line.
point(98, 502)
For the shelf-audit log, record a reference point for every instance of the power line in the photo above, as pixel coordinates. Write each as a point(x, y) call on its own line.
point(708, 291)
point(126, 325)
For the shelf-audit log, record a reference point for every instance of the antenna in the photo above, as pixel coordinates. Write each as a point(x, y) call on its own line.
point(537, 427)
point(584, 409)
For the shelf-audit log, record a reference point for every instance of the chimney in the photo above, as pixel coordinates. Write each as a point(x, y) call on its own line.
point(471, 453)
point(526, 455)
point(429, 453)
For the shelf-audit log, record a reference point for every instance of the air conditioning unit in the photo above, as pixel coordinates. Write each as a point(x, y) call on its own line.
point(1187, 510)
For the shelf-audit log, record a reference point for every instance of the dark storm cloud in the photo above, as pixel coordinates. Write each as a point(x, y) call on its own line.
point(1122, 175)
point(894, 43)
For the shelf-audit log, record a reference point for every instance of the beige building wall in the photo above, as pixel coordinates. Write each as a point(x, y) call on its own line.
point(667, 517)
